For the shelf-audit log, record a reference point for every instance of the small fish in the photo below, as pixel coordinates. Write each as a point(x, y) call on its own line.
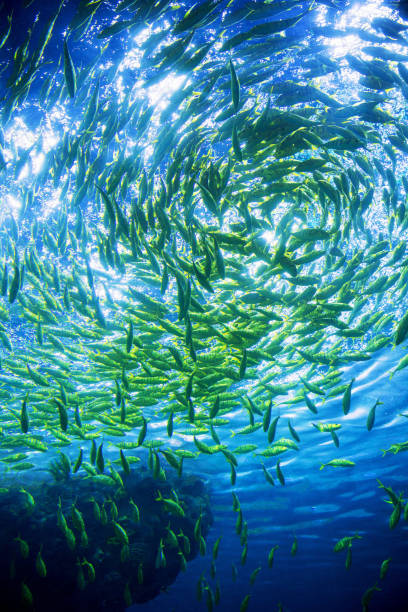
point(254, 574)
point(26, 596)
point(267, 417)
point(24, 420)
point(371, 415)
point(90, 570)
point(15, 285)
point(310, 405)
point(293, 432)
point(279, 473)
point(244, 603)
point(142, 433)
point(78, 462)
point(366, 598)
point(124, 462)
point(347, 397)
point(170, 505)
point(235, 87)
point(338, 463)
point(384, 568)
point(345, 542)
point(99, 460)
point(244, 554)
point(135, 511)
point(335, 439)
point(40, 565)
point(160, 557)
point(402, 330)
point(63, 414)
point(216, 547)
point(120, 533)
point(395, 515)
point(268, 476)
point(326, 426)
point(271, 555)
point(294, 548)
point(272, 429)
point(127, 595)
point(69, 72)
point(348, 557)
point(24, 547)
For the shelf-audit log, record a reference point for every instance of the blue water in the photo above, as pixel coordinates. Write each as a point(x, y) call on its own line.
point(318, 507)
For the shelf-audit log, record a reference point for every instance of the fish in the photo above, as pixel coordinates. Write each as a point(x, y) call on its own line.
point(279, 473)
point(99, 459)
point(402, 330)
point(396, 448)
point(348, 558)
point(395, 515)
point(293, 432)
point(392, 495)
point(69, 72)
point(127, 595)
point(271, 555)
point(235, 87)
point(367, 595)
point(338, 463)
point(24, 420)
point(371, 415)
point(272, 429)
point(329, 427)
point(244, 603)
point(40, 565)
point(26, 595)
point(310, 404)
point(216, 548)
point(78, 462)
point(170, 505)
point(347, 397)
point(384, 568)
point(120, 533)
point(23, 547)
point(345, 543)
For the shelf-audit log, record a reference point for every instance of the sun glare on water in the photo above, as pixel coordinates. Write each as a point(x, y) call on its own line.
point(13, 204)
point(160, 92)
point(356, 17)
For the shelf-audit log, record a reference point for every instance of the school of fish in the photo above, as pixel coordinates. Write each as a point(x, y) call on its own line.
point(227, 252)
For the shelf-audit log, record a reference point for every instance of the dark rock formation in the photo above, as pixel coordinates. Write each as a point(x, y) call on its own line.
point(92, 565)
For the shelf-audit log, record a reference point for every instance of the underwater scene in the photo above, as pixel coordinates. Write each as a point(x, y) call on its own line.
point(203, 305)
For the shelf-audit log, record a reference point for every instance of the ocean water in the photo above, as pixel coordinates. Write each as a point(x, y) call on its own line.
point(320, 508)
point(48, 149)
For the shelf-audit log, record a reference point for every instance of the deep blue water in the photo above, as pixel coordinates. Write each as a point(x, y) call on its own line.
point(320, 507)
